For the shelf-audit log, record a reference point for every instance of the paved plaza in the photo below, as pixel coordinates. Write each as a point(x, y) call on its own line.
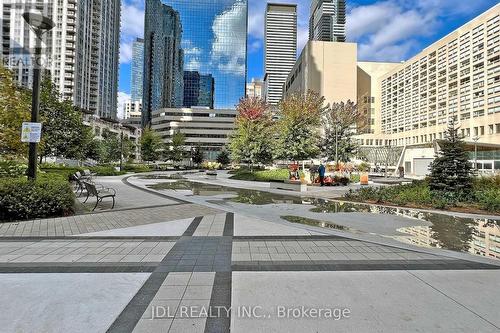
point(173, 263)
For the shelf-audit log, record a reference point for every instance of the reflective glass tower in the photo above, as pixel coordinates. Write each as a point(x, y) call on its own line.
point(198, 90)
point(137, 69)
point(163, 60)
point(214, 41)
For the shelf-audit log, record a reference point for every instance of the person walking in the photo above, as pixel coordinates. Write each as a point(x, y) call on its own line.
point(321, 172)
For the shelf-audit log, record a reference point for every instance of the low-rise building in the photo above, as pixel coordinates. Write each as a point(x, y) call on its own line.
point(205, 128)
point(99, 126)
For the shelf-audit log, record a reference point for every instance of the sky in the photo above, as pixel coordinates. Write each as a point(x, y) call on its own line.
point(385, 30)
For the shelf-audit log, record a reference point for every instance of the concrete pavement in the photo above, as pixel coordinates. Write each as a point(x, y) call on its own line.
point(199, 267)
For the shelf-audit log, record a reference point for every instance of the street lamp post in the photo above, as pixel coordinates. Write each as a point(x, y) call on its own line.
point(40, 24)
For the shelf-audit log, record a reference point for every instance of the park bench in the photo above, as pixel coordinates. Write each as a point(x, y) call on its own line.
point(100, 193)
point(80, 178)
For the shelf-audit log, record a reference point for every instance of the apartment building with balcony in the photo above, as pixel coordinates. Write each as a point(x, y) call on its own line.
point(457, 77)
point(80, 53)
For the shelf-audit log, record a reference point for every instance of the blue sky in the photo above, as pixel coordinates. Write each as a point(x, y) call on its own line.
point(385, 30)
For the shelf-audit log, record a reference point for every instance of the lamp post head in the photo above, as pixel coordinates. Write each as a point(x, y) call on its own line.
point(38, 22)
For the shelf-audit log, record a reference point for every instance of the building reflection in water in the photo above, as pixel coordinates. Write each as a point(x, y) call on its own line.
point(476, 236)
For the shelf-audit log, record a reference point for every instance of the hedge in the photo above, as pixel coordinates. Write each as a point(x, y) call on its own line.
point(48, 196)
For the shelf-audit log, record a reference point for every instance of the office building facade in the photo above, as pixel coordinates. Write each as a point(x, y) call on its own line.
point(81, 53)
point(137, 70)
point(163, 59)
point(207, 129)
point(198, 90)
point(280, 53)
point(327, 21)
point(214, 41)
point(255, 89)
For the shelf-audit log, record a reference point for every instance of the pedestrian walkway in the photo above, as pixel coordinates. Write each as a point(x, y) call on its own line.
point(190, 268)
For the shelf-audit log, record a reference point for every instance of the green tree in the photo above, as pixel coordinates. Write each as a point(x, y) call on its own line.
point(63, 131)
point(110, 147)
point(93, 149)
point(176, 150)
point(298, 126)
point(252, 140)
point(451, 170)
point(128, 148)
point(197, 155)
point(15, 107)
point(340, 122)
point(223, 158)
point(151, 145)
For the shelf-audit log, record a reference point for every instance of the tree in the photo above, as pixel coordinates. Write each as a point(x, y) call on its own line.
point(297, 126)
point(223, 158)
point(451, 170)
point(338, 143)
point(63, 131)
point(197, 155)
point(93, 150)
point(252, 140)
point(151, 145)
point(110, 147)
point(15, 107)
point(128, 148)
point(176, 147)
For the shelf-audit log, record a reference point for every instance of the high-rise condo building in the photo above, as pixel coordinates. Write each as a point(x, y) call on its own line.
point(163, 59)
point(198, 90)
point(137, 70)
point(81, 53)
point(280, 50)
point(214, 41)
point(327, 20)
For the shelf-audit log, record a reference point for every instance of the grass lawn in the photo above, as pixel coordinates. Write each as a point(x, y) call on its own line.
point(278, 175)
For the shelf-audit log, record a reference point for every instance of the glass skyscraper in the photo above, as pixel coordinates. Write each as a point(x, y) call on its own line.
point(163, 60)
point(214, 40)
point(137, 69)
point(198, 90)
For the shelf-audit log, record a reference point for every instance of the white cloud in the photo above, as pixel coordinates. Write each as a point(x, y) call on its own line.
point(122, 99)
point(192, 65)
point(229, 58)
point(390, 30)
point(125, 52)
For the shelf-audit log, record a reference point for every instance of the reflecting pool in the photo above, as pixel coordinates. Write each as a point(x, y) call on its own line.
point(476, 236)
